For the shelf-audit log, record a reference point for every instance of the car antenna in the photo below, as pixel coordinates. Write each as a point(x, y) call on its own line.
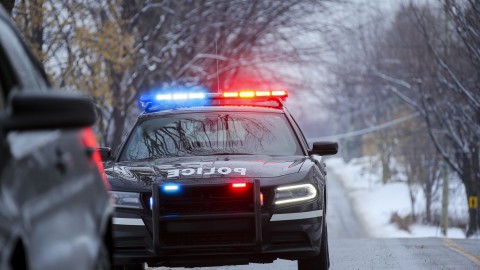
point(218, 78)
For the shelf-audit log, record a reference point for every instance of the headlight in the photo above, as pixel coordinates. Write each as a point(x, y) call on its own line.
point(126, 199)
point(295, 193)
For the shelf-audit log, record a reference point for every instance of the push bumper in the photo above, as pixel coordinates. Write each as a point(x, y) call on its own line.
point(195, 240)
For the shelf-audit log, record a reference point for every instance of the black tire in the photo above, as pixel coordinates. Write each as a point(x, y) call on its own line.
point(19, 260)
point(320, 261)
point(103, 260)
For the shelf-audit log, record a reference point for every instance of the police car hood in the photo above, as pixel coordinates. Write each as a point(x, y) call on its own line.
point(254, 166)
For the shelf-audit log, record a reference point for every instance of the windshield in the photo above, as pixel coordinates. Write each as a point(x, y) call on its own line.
point(198, 134)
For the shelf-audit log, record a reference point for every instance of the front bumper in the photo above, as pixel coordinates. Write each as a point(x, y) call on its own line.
point(192, 240)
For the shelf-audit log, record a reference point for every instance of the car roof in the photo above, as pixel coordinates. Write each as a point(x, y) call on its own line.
point(203, 109)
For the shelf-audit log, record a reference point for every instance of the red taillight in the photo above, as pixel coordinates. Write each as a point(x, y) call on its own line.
point(261, 199)
point(90, 143)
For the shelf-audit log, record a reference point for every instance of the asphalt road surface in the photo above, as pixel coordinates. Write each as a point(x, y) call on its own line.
point(351, 248)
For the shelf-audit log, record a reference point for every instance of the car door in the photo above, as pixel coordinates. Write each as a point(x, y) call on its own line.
point(11, 229)
point(52, 200)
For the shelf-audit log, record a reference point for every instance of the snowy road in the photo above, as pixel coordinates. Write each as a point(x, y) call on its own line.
point(350, 247)
point(341, 219)
point(399, 254)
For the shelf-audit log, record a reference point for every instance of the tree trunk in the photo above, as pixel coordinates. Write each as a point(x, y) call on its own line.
point(471, 189)
point(386, 172)
point(410, 182)
point(428, 197)
point(37, 27)
point(119, 118)
point(473, 213)
point(476, 181)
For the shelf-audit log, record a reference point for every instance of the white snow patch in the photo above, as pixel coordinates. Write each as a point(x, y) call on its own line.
point(375, 202)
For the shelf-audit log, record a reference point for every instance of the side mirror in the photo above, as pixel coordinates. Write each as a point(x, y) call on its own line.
point(324, 148)
point(49, 110)
point(105, 153)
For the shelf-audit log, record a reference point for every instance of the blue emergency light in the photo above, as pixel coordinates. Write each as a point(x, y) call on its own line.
point(170, 188)
point(197, 97)
point(180, 96)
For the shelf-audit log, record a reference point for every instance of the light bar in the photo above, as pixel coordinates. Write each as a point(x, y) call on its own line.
point(247, 94)
point(279, 93)
point(230, 94)
point(263, 93)
point(201, 97)
point(163, 97)
point(196, 95)
point(179, 96)
point(254, 94)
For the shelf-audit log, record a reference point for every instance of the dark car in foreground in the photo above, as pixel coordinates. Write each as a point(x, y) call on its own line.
point(218, 179)
point(55, 210)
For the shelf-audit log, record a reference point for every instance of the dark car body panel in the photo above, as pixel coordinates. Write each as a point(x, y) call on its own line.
point(54, 207)
point(207, 167)
point(57, 212)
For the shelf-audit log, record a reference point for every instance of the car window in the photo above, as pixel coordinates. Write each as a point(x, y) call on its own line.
point(17, 65)
point(300, 132)
point(209, 134)
point(7, 78)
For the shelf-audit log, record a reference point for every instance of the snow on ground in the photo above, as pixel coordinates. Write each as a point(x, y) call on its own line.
point(375, 202)
point(277, 265)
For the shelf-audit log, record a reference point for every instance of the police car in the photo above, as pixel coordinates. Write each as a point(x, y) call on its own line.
point(207, 179)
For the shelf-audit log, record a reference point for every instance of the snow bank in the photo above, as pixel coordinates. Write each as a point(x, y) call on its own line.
point(375, 202)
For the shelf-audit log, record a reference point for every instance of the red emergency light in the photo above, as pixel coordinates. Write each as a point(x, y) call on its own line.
point(164, 100)
point(239, 185)
point(255, 94)
point(242, 186)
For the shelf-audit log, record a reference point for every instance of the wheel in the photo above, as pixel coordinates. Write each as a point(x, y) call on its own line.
point(320, 261)
point(103, 260)
point(105, 255)
point(19, 261)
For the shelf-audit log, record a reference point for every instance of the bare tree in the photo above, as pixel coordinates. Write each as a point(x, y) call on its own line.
point(421, 162)
point(118, 50)
point(441, 82)
point(425, 62)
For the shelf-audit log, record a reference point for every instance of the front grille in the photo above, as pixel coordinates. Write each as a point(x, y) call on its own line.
point(189, 206)
point(206, 207)
point(206, 200)
point(207, 216)
point(187, 239)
